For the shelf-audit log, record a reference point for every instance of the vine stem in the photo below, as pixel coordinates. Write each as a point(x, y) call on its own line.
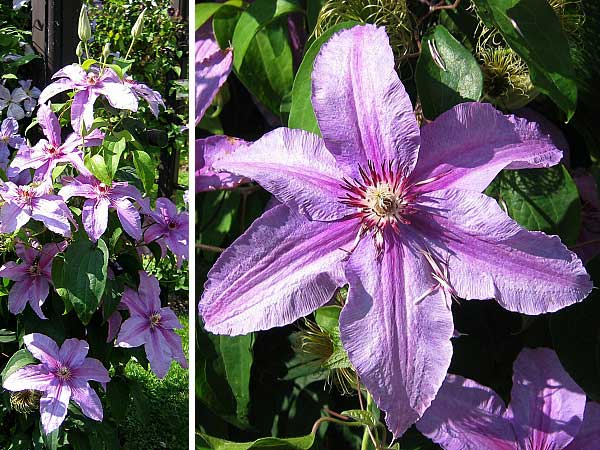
point(210, 248)
point(318, 423)
point(368, 433)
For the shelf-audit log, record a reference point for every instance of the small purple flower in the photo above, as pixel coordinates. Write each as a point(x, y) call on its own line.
point(397, 213)
point(47, 154)
point(32, 277)
point(33, 202)
point(100, 197)
point(33, 93)
point(547, 411)
point(209, 151)
point(9, 136)
point(63, 375)
point(89, 86)
point(213, 66)
point(153, 98)
point(13, 102)
point(171, 228)
point(151, 326)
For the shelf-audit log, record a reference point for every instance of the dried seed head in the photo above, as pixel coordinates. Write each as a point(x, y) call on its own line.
point(25, 401)
point(394, 15)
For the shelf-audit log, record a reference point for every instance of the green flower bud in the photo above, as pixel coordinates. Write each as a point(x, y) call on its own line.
point(79, 49)
point(106, 51)
point(84, 30)
point(136, 31)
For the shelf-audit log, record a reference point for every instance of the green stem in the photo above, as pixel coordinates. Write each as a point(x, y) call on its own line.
point(129, 49)
point(365, 439)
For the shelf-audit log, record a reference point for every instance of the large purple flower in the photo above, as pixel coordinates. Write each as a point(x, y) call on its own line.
point(35, 201)
point(63, 375)
point(152, 326)
point(170, 228)
point(9, 136)
point(49, 152)
point(547, 411)
point(397, 213)
point(213, 66)
point(100, 197)
point(89, 86)
point(32, 277)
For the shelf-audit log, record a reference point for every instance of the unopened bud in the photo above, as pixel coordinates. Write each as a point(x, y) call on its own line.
point(106, 51)
point(79, 49)
point(136, 31)
point(84, 29)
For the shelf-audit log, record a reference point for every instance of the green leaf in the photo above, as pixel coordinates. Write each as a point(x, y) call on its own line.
point(84, 275)
point(576, 337)
point(236, 353)
point(97, 166)
point(113, 147)
point(7, 336)
point(447, 73)
point(20, 359)
point(302, 115)
point(204, 11)
point(365, 417)
point(257, 16)
point(533, 31)
point(297, 443)
point(541, 200)
point(117, 396)
point(145, 168)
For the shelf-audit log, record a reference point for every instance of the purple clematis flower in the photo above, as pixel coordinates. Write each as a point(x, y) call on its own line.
point(89, 86)
point(151, 326)
point(213, 66)
point(547, 411)
point(153, 98)
point(395, 212)
point(210, 150)
point(170, 229)
point(32, 277)
point(9, 136)
point(63, 375)
point(13, 102)
point(33, 202)
point(33, 93)
point(47, 154)
point(100, 197)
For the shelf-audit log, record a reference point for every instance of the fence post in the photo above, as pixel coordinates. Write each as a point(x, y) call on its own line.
point(54, 34)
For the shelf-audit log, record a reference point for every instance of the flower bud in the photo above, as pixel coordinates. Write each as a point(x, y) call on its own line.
point(106, 51)
point(79, 49)
point(136, 31)
point(84, 30)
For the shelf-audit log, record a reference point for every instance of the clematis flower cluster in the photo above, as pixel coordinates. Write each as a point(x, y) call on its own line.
point(547, 411)
point(398, 214)
point(21, 101)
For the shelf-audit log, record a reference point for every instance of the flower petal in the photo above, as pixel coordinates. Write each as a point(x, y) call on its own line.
point(73, 352)
point(134, 332)
point(87, 399)
point(119, 96)
point(134, 304)
point(213, 66)
point(546, 406)
point(54, 213)
point(42, 348)
point(92, 369)
point(95, 217)
point(82, 110)
point(589, 433)
point(36, 377)
point(282, 268)
point(149, 291)
point(158, 353)
point(295, 167)
point(168, 319)
point(49, 123)
point(467, 416)
point(490, 256)
point(468, 145)
point(129, 217)
point(398, 342)
point(53, 406)
point(362, 108)
point(14, 271)
point(210, 150)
